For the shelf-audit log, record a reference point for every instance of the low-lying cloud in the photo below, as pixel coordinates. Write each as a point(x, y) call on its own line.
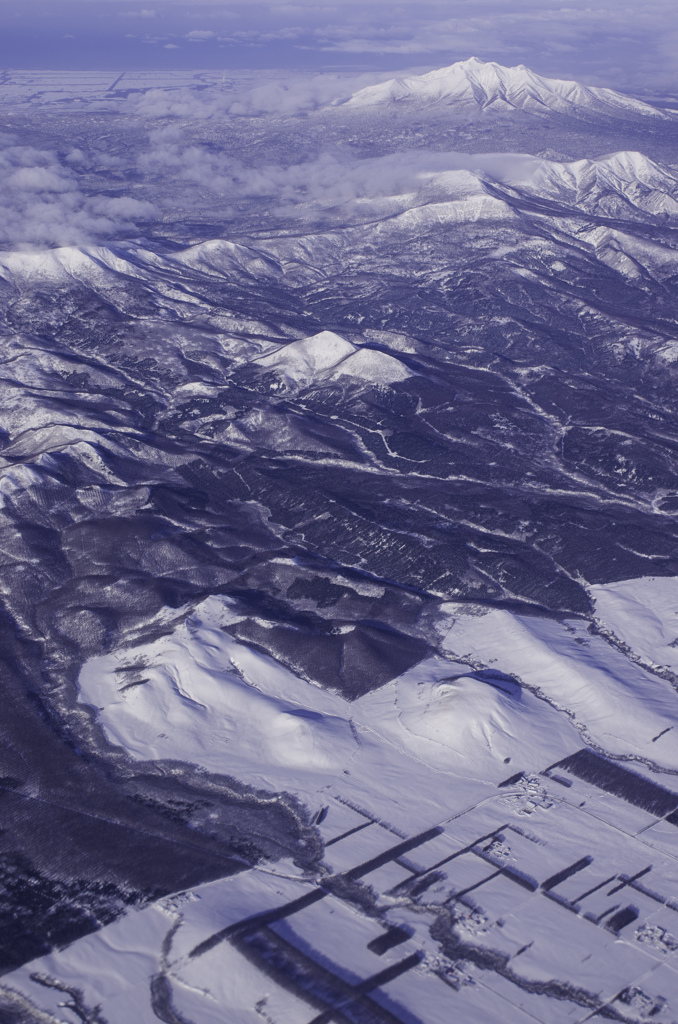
point(294, 94)
point(47, 198)
point(42, 202)
point(331, 179)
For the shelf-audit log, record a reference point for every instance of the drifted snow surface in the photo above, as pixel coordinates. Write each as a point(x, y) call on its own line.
point(510, 687)
point(643, 614)
point(429, 747)
point(618, 705)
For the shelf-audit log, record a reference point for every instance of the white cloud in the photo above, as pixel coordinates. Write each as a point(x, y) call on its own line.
point(255, 37)
point(200, 35)
point(291, 95)
point(314, 186)
point(41, 202)
point(38, 179)
point(605, 42)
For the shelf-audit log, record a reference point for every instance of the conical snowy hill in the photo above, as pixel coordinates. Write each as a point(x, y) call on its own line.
point(474, 84)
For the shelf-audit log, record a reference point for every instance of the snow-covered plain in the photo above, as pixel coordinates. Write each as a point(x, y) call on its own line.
point(507, 698)
point(507, 688)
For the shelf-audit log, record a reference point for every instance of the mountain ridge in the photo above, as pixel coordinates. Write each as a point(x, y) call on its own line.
point(641, 185)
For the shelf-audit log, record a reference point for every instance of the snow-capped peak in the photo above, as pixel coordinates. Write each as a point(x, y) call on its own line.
point(614, 185)
point(489, 86)
point(328, 355)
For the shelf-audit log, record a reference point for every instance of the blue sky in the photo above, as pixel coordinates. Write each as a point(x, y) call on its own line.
point(628, 46)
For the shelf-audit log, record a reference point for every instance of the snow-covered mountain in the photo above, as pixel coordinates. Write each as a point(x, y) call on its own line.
point(474, 84)
point(326, 356)
point(625, 185)
point(339, 520)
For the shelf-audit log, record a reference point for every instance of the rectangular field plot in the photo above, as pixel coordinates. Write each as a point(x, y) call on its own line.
point(359, 847)
point(341, 939)
point(337, 818)
point(559, 944)
point(431, 853)
point(388, 876)
point(428, 998)
point(500, 896)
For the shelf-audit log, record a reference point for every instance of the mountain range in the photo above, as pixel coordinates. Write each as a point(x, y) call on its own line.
point(338, 511)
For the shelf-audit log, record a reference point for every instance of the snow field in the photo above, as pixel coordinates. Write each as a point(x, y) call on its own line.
point(620, 707)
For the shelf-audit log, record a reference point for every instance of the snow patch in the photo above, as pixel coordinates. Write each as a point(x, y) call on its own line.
point(303, 361)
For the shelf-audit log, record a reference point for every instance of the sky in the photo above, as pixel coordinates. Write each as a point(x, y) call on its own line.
point(628, 46)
